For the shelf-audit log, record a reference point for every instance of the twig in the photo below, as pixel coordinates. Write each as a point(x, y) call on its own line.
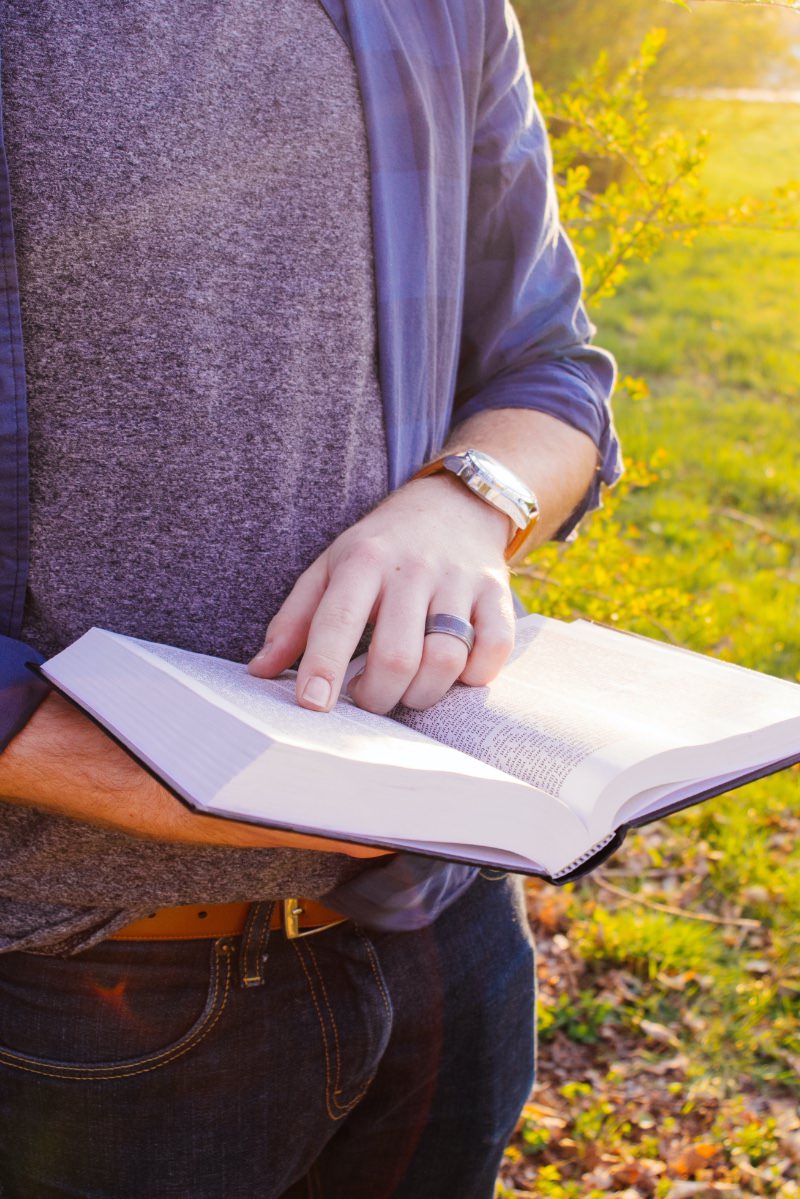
point(665, 632)
point(694, 227)
point(651, 872)
point(753, 522)
point(629, 897)
point(756, 4)
point(538, 576)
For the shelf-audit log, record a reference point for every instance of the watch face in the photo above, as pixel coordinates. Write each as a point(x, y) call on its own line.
point(498, 474)
point(495, 484)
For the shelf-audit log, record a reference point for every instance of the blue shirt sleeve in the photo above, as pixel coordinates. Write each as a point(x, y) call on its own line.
point(402, 893)
point(21, 691)
point(526, 336)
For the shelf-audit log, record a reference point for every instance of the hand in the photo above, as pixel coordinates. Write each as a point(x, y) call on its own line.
point(430, 547)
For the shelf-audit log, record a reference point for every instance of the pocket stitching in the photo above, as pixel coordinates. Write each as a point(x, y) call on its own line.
point(323, 1031)
point(345, 1107)
point(337, 1090)
point(331, 1101)
point(373, 961)
point(103, 1073)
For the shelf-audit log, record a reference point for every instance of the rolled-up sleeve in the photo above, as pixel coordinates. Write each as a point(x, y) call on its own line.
point(526, 336)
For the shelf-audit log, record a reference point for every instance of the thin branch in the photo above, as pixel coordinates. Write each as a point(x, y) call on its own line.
point(625, 250)
point(795, 8)
point(665, 631)
point(629, 897)
point(607, 143)
point(651, 872)
point(753, 522)
point(729, 226)
point(541, 576)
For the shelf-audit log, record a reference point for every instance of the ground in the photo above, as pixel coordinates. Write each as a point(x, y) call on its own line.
point(670, 981)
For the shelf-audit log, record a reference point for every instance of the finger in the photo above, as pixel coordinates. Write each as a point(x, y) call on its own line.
point(395, 651)
point(494, 635)
point(335, 630)
point(287, 632)
point(443, 656)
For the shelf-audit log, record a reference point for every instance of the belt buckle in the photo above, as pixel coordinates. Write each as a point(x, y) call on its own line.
point(292, 911)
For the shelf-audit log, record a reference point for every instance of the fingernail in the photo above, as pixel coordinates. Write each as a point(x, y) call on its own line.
point(317, 691)
point(264, 652)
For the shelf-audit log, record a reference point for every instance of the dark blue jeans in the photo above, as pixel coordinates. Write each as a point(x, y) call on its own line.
point(360, 1066)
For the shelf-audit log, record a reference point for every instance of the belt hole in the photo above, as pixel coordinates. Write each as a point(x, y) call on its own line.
point(202, 915)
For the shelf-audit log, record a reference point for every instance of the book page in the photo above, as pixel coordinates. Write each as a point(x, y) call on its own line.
point(574, 711)
point(522, 735)
point(540, 720)
point(271, 706)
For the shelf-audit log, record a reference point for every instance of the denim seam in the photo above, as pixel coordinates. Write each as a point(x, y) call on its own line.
point(337, 1089)
point(257, 918)
point(326, 1051)
point(331, 1101)
point(101, 1073)
point(252, 924)
point(263, 938)
point(373, 961)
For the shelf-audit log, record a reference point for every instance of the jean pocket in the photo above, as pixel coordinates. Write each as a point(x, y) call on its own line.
point(113, 1013)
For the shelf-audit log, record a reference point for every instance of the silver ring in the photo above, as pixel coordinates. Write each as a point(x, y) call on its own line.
point(454, 626)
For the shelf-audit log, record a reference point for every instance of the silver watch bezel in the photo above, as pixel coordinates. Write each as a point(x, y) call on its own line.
point(494, 483)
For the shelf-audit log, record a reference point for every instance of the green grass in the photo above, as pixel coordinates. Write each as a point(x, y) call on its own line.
point(701, 546)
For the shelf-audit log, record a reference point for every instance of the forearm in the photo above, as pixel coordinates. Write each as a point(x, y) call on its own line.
point(62, 763)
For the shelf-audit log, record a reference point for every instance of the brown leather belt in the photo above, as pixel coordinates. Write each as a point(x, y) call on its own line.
point(297, 918)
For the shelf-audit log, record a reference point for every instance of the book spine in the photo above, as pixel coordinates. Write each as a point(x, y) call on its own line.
point(584, 857)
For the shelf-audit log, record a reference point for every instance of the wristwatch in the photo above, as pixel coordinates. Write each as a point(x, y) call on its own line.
point(496, 485)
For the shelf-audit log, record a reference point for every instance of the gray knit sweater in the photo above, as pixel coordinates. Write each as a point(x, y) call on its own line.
point(191, 201)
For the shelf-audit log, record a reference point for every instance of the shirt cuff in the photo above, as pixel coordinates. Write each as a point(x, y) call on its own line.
point(402, 893)
point(568, 391)
point(21, 691)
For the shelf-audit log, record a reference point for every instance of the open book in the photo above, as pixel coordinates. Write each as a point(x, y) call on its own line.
point(587, 732)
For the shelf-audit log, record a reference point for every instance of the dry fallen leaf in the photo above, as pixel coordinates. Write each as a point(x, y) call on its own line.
point(693, 1022)
point(676, 982)
point(679, 1064)
point(693, 1158)
point(634, 1174)
point(701, 1190)
point(598, 1180)
point(790, 1144)
point(659, 1033)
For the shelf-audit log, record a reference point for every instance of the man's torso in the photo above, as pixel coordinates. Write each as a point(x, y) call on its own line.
point(191, 202)
point(192, 215)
